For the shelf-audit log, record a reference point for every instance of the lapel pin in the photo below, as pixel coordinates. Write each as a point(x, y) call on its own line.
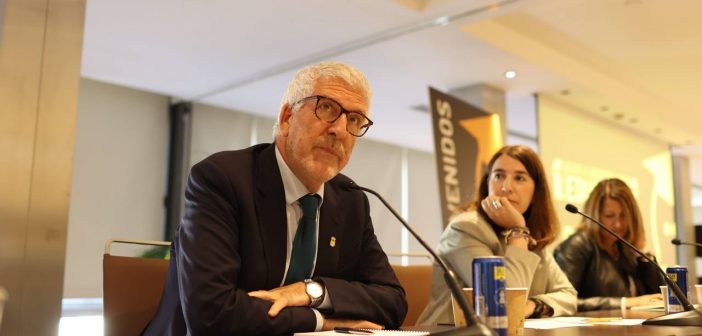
point(332, 241)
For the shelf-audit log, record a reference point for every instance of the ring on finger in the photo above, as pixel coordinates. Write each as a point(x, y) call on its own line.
point(496, 204)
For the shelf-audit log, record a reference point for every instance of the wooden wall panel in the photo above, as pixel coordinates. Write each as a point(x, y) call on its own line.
point(40, 54)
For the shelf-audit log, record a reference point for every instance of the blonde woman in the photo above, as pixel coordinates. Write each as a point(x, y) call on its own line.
point(606, 274)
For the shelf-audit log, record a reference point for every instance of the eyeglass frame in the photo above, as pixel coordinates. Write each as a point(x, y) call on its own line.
point(341, 112)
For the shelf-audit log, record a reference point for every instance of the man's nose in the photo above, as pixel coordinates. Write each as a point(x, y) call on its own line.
point(338, 127)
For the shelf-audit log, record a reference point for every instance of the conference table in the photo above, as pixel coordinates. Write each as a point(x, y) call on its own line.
point(606, 330)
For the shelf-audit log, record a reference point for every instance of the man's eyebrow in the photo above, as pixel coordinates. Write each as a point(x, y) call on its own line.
point(360, 111)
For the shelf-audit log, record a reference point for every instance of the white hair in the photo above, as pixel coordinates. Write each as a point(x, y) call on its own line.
point(303, 83)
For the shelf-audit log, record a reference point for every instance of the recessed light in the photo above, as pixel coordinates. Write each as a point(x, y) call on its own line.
point(565, 92)
point(633, 120)
point(604, 108)
point(442, 21)
point(510, 74)
point(618, 116)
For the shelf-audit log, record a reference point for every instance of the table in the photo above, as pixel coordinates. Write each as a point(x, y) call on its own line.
point(600, 330)
point(606, 330)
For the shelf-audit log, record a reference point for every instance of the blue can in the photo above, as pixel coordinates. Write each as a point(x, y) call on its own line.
point(679, 275)
point(489, 294)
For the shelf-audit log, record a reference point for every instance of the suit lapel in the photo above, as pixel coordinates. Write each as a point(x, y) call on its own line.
point(329, 230)
point(270, 210)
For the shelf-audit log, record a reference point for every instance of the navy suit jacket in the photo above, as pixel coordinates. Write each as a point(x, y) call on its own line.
point(233, 240)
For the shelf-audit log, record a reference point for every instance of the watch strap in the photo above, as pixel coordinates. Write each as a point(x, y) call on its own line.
point(538, 309)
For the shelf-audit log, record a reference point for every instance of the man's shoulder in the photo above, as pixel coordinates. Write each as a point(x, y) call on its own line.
point(235, 157)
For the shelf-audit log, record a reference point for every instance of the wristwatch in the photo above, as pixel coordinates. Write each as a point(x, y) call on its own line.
point(315, 291)
point(538, 310)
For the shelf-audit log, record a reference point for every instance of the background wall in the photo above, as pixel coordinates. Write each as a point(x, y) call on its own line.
point(118, 177)
point(579, 150)
point(215, 129)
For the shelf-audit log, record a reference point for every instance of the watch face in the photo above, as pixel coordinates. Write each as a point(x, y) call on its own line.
point(314, 289)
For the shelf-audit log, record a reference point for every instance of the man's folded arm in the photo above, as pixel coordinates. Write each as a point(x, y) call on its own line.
point(209, 265)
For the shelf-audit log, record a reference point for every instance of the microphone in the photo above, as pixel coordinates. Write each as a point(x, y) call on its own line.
point(677, 241)
point(475, 327)
point(689, 317)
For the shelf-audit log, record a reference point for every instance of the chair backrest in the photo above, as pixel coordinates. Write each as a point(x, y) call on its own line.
point(3, 298)
point(416, 280)
point(132, 289)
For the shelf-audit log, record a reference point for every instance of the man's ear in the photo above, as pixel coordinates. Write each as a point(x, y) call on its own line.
point(284, 119)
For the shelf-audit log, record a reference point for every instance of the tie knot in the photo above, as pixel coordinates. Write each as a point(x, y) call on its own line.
point(309, 203)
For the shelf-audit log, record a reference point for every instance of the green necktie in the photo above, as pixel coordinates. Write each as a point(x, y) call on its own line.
point(305, 242)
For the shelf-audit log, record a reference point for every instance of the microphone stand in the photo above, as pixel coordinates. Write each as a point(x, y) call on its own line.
point(474, 326)
point(679, 242)
point(689, 317)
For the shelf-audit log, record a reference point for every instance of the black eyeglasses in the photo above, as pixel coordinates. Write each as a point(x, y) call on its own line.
point(328, 110)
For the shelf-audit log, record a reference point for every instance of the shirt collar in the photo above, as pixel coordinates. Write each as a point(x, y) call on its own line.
point(294, 188)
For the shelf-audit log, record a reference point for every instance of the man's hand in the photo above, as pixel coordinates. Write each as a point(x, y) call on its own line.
point(331, 323)
point(287, 296)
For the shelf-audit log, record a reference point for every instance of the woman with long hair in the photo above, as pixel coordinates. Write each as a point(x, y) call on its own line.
point(512, 216)
point(606, 274)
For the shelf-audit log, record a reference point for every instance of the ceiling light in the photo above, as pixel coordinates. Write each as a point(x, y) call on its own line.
point(442, 21)
point(510, 74)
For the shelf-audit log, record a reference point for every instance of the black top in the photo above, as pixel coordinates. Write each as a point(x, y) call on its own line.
point(601, 281)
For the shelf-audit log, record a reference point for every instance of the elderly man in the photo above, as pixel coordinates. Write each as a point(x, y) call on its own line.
point(271, 243)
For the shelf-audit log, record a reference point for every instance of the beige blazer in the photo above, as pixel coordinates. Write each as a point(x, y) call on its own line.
point(467, 236)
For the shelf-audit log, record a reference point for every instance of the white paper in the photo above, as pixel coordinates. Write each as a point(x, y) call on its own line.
point(374, 332)
point(569, 322)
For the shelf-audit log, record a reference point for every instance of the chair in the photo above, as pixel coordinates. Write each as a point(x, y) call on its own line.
point(416, 280)
point(3, 298)
point(132, 289)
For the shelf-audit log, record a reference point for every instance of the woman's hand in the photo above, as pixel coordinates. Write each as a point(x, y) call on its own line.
point(502, 212)
point(529, 309)
point(546, 310)
point(644, 300)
